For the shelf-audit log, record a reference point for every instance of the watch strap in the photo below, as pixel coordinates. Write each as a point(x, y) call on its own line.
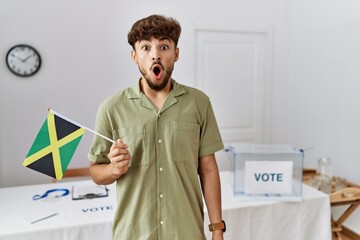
point(217, 226)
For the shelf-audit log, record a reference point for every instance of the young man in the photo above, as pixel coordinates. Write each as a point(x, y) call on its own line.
point(166, 136)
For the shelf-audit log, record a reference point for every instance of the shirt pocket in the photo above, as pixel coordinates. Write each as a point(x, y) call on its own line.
point(134, 137)
point(186, 142)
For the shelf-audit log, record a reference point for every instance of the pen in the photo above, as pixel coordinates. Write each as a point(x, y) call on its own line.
point(49, 216)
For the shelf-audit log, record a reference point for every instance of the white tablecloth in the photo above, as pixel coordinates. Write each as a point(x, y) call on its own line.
point(76, 220)
point(92, 218)
point(305, 220)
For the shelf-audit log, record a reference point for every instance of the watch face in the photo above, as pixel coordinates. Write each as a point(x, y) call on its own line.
point(23, 60)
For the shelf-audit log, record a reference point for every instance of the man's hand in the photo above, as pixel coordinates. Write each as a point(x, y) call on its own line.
point(119, 157)
point(218, 235)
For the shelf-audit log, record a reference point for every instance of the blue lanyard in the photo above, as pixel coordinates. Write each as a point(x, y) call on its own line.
point(64, 190)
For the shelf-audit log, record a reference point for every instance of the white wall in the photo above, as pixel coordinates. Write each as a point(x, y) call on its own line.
point(315, 100)
point(324, 106)
point(319, 70)
point(86, 58)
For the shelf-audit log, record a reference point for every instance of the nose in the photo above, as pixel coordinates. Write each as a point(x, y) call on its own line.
point(155, 55)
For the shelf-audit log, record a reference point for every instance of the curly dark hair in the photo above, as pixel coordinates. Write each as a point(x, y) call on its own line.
point(156, 26)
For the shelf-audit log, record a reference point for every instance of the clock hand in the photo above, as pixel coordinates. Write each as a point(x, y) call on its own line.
point(24, 60)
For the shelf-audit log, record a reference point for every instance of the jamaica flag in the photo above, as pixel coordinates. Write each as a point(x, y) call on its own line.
point(54, 146)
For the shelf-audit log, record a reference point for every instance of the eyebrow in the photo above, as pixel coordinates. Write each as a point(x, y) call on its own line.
point(160, 39)
point(164, 39)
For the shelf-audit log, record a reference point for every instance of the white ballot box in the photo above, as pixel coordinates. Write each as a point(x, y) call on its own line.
point(267, 171)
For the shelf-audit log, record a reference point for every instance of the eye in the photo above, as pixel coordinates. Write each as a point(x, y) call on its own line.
point(145, 48)
point(164, 47)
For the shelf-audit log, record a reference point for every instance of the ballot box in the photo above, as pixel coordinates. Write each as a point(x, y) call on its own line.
point(266, 171)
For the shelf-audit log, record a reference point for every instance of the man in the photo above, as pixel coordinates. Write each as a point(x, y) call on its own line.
point(166, 136)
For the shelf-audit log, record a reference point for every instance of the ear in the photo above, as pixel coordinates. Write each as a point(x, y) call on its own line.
point(133, 56)
point(176, 54)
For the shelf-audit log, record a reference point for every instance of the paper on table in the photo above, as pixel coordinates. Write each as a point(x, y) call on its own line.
point(88, 191)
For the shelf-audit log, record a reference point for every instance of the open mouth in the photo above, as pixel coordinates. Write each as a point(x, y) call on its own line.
point(157, 70)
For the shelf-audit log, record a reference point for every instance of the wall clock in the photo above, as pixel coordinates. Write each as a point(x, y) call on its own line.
point(23, 60)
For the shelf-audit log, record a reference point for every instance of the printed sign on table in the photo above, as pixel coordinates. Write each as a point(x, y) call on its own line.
point(268, 177)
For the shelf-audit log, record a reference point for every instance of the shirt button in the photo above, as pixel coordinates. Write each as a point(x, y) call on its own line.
point(159, 141)
point(161, 169)
point(161, 195)
point(161, 222)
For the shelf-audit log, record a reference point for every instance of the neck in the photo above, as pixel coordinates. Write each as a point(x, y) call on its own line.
point(156, 97)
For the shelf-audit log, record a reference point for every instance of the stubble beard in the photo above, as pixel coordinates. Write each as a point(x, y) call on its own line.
point(160, 86)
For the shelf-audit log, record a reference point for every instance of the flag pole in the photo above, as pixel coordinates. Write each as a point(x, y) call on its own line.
point(80, 125)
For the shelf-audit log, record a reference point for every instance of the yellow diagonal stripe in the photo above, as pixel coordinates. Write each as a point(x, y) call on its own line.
point(71, 137)
point(45, 151)
point(54, 146)
point(39, 154)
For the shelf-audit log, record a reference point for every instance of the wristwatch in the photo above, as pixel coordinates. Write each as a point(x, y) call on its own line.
point(217, 226)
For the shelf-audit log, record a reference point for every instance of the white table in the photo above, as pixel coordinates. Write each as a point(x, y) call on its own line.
point(77, 219)
point(273, 220)
point(92, 218)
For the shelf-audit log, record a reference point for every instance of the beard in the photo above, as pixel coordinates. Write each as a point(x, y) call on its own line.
point(159, 86)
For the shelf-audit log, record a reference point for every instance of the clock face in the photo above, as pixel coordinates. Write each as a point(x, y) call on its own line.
point(23, 60)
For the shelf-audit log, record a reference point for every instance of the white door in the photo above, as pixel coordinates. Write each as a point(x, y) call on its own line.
point(233, 69)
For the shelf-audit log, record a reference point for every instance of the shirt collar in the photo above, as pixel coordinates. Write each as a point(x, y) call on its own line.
point(135, 92)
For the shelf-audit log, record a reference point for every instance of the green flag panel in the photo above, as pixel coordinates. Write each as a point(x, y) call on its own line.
point(41, 141)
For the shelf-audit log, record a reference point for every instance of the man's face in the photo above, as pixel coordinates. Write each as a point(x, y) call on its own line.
point(155, 59)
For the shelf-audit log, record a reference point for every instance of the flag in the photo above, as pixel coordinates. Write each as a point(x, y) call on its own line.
point(54, 146)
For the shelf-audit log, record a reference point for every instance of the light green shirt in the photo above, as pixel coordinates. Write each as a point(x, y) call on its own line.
point(160, 197)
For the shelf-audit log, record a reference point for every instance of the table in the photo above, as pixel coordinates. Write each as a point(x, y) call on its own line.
point(76, 220)
point(92, 218)
point(273, 220)
point(344, 194)
point(349, 197)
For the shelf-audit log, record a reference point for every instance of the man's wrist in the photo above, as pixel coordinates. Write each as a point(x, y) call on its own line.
point(217, 226)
